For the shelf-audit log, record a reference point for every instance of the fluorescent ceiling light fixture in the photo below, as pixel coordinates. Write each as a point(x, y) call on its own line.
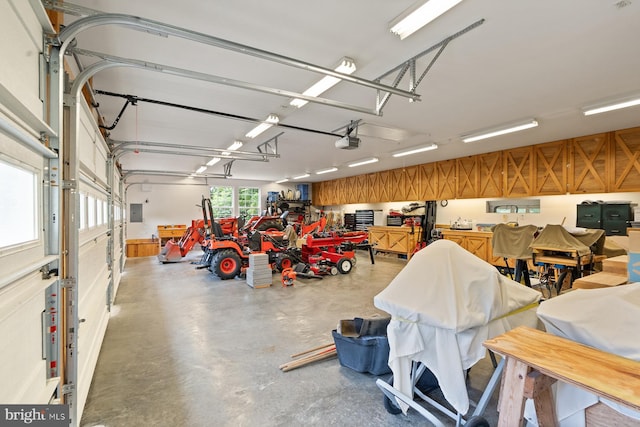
point(420, 15)
point(232, 147)
point(282, 180)
point(201, 169)
point(363, 162)
point(271, 120)
point(612, 105)
point(415, 150)
point(235, 146)
point(326, 171)
point(301, 176)
point(347, 66)
point(515, 127)
point(213, 161)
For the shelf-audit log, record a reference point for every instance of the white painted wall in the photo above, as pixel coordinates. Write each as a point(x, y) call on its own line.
point(177, 202)
point(553, 209)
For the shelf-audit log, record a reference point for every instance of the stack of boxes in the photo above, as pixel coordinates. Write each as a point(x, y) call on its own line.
point(259, 274)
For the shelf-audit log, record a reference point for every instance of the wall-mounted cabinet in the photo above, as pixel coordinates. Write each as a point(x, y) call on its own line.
point(550, 177)
point(588, 164)
point(601, 163)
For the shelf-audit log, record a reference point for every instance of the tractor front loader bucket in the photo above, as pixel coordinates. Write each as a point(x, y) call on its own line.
point(170, 253)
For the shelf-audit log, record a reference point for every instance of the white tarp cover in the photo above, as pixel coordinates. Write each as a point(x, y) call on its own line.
point(607, 319)
point(444, 304)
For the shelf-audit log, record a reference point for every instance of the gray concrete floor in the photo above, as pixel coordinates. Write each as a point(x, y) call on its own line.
point(184, 348)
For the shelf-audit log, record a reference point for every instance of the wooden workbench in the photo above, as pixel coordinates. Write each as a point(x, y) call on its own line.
point(534, 360)
point(397, 240)
point(171, 231)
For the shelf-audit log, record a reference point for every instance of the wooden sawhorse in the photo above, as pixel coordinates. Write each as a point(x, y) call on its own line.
point(534, 360)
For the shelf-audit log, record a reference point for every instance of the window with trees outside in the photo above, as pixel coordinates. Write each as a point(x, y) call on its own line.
point(222, 202)
point(249, 201)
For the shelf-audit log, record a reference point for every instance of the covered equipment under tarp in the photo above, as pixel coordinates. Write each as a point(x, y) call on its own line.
point(607, 319)
point(512, 242)
point(582, 241)
point(444, 303)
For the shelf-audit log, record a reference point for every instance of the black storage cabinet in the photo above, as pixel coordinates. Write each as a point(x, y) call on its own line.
point(613, 218)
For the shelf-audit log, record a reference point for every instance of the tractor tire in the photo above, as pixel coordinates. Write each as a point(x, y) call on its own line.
point(333, 270)
point(344, 265)
point(270, 226)
point(226, 264)
point(284, 262)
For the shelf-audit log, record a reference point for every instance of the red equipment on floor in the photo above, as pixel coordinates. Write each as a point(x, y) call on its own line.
point(174, 251)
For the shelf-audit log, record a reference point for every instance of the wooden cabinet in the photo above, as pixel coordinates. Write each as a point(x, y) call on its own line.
point(518, 172)
point(490, 171)
point(550, 176)
point(398, 240)
point(171, 231)
point(600, 163)
point(476, 242)
point(467, 177)
point(625, 156)
point(588, 165)
point(142, 247)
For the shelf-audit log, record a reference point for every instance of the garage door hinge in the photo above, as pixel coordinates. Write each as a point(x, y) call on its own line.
point(67, 283)
point(69, 185)
point(68, 388)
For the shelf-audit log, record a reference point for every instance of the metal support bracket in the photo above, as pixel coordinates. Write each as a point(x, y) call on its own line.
point(68, 283)
point(68, 388)
point(227, 168)
point(69, 185)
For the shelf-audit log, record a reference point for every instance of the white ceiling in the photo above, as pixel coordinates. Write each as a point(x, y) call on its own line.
point(543, 59)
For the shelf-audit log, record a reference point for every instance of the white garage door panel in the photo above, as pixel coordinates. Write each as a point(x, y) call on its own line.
point(21, 33)
point(22, 369)
point(93, 310)
point(92, 150)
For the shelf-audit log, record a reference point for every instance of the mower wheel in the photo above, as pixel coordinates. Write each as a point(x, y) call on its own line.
point(284, 262)
point(270, 226)
point(344, 265)
point(333, 271)
point(226, 264)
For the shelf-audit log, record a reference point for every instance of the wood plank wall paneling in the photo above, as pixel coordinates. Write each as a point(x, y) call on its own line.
point(550, 167)
point(490, 169)
point(588, 165)
point(467, 185)
point(626, 161)
point(600, 163)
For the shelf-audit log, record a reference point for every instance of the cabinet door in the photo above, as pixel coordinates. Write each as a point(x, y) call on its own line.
point(490, 170)
point(446, 171)
point(550, 176)
point(412, 183)
point(428, 181)
point(518, 172)
point(457, 239)
point(479, 246)
point(379, 239)
point(625, 174)
point(588, 165)
point(467, 177)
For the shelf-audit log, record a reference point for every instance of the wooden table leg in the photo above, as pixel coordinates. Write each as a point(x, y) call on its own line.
point(538, 388)
point(512, 393)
